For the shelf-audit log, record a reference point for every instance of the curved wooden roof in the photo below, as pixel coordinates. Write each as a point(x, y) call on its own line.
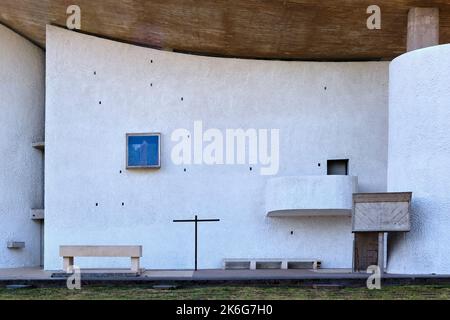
point(290, 29)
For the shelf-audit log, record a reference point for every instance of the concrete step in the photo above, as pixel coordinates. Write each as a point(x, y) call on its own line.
point(264, 263)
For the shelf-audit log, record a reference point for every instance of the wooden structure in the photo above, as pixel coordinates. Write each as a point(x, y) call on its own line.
point(70, 252)
point(291, 29)
point(373, 215)
point(381, 212)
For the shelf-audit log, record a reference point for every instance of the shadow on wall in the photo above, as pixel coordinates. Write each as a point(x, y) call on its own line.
point(396, 240)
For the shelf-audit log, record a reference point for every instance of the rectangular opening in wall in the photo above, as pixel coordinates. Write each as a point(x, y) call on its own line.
point(337, 167)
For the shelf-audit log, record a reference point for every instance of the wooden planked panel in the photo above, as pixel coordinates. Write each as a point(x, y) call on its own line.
point(290, 29)
point(381, 216)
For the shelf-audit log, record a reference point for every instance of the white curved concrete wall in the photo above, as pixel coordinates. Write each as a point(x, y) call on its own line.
point(21, 167)
point(419, 158)
point(310, 195)
point(323, 110)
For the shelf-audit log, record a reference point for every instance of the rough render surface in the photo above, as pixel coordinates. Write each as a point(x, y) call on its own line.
point(323, 110)
point(419, 158)
point(21, 166)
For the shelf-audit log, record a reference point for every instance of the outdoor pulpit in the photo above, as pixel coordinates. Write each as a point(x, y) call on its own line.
point(373, 216)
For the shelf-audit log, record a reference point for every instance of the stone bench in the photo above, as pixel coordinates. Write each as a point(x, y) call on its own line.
point(70, 252)
point(264, 263)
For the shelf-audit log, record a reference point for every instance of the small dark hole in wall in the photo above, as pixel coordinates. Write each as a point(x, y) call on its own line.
point(123, 204)
point(95, 72)
point(337, 167)
point(151, 61)
point(251, 168)
point(182, 98)
point(99, 102)
point(318, 164)
point(96, 204)
point(151, 84)
point(325, 88)
point(120, 171)
point(184, 169)
point(292, 232)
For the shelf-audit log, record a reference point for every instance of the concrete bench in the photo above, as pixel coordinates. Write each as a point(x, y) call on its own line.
point(70, 252)
point(265, 263)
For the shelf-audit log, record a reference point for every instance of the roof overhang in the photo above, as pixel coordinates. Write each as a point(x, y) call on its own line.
point(292, 29)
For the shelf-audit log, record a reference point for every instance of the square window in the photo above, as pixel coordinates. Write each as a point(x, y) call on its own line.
point(337, 167)
point(143, 150)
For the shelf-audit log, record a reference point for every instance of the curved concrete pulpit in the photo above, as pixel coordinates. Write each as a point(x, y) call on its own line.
point(310, 196)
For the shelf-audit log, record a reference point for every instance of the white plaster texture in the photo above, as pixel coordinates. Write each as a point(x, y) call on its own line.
point(323, 110)
point(311, 195)
point(22, 79)
point(419, 158)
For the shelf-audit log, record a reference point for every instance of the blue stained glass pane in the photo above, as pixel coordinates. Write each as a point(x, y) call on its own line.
point(143, 151)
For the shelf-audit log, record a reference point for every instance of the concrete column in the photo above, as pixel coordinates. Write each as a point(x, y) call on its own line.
point(423, 28)
point(381, 251)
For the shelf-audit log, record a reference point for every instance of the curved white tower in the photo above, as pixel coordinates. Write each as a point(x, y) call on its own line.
point(419, 158)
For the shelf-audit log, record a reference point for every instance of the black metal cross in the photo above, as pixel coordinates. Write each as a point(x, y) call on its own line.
point(196, 221)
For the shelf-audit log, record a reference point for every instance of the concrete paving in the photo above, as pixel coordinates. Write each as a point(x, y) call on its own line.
point(24, 273)
point(38, 276)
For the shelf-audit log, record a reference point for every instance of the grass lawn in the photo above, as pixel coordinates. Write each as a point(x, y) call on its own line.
point(228, 293)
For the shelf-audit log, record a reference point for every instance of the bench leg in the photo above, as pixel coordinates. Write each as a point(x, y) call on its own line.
point(68, 263)
point(135, 264)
